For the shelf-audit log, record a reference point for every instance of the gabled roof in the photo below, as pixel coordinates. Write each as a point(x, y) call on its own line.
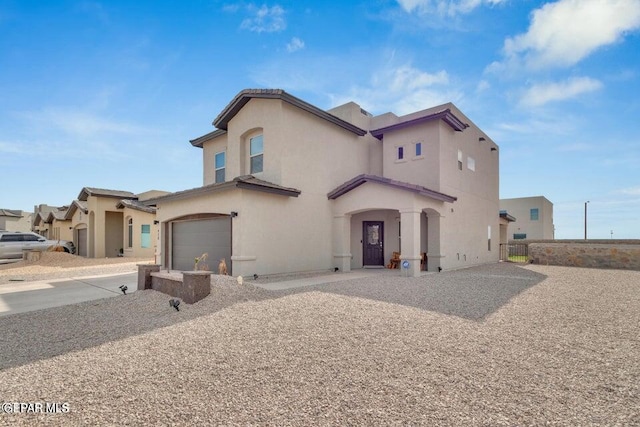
point(134, 204)
point(101, 192)
point(445, 115)
point(361, 179)
point(60, 215)
point(11, 213)
point(211, 135)
point(77, 204)
point(245, 182)
point(246, 95)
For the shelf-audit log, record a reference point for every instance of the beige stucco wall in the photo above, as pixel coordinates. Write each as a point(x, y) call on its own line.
point(520, 208)
point(16, 224)
point(99, 246)
point(271, 234)
point(139, 218)
point(61, 230)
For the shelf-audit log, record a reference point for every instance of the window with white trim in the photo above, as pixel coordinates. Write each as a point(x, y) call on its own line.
point(256, 154)
point(418, 149)
point(220, 164)
point(130, 233)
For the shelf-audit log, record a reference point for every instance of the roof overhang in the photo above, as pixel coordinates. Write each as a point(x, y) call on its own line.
point(506, 216)
point(445, 115)
point(361, 179)
point(204, 138)
point(101, 192)
point(245, 182)
point(241, 99)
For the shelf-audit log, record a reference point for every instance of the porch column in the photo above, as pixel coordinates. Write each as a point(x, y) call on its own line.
point(342, 242)
point(410, 243)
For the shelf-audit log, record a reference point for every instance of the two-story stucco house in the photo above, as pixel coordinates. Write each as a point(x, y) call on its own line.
point(533, 218)
point(290, 187)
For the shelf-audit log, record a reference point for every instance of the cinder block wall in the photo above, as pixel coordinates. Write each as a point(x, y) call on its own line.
point(622, 256)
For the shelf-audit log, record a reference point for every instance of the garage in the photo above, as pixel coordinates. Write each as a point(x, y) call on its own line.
point(81, 244)
point(192, 238)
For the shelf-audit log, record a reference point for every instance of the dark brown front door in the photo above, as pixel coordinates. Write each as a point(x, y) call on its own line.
point(372, 241)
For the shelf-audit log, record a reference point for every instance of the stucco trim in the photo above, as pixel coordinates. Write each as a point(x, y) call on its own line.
point(445, 115)
point(361, 179)
point(241, 99)
point(244, 182)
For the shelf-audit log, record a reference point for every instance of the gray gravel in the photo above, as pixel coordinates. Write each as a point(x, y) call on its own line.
point(491, 345)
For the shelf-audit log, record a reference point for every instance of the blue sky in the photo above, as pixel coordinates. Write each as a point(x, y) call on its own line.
point(108, 94)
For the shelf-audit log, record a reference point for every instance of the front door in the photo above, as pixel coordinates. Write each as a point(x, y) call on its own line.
point(372, 241)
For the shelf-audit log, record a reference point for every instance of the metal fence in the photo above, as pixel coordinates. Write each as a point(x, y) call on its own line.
point(514, 252)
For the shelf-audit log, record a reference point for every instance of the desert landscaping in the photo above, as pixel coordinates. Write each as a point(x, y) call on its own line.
point(500, 344)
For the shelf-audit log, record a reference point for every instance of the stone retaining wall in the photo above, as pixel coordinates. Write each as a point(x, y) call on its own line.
point(189, 286)
point(586, 254)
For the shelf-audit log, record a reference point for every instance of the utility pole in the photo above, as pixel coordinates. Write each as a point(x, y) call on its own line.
point(585, 220)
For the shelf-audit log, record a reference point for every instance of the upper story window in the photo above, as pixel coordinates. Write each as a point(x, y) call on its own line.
point(220, 163)
point(471, 163)
point(256, 150)
point(534, 214)
point(400, 153)
point(459, 160)
point(418, 149)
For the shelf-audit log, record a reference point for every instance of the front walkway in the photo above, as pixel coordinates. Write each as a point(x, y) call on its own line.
point(296, 281)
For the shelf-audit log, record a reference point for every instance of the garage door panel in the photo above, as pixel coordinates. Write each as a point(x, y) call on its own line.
point(191, 239)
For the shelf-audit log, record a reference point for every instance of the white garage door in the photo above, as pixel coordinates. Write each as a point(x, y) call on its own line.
point(191, 239)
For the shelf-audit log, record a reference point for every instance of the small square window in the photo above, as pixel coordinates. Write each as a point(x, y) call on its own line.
point(534, 214)
point(418, 149)
point(400, 153)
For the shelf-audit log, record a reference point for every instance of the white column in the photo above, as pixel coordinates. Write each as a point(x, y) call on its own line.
point(342, 242)
point(410, 243)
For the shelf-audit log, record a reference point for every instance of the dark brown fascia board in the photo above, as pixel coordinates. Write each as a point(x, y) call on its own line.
point(361, 179)
point(229, 185)
point(244, 96)
point(446, 116)
point(197, 142)
point(97, 192)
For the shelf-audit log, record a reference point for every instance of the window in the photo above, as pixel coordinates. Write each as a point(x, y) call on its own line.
point(130, 233)
point(12, 238)
point(146, 236)
point(489, 238)
point(256, 154)
point(519, 236)
point(418, 149)
point(533, 214)
point(471, 163)
point(220, 166)
point(400, 153)
point(459, 160)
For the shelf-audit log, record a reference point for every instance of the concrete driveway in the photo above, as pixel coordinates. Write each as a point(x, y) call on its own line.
point(20, 297)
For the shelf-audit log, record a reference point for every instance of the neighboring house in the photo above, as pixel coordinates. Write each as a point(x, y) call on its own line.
point(533, 218)
point(289, 187)
point(59, 225)
point(40, 215)
point(78, 215)
point(15, 220)
point(141, 227)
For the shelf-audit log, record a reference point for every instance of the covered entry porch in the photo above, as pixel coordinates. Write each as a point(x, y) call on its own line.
point(374, 217)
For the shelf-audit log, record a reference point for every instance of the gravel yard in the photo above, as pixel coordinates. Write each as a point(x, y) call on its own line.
point(59, 265)
point(491, 345)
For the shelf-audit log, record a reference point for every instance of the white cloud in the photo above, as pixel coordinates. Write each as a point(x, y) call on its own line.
point(265, 19)
point(444, 7)
point(563, 33)
point(295, 44)
point(401, 90)
point(77, 123)
point(540, 94)
point(631, 191)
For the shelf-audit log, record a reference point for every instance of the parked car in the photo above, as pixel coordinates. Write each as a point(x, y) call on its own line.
point(12, 243)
